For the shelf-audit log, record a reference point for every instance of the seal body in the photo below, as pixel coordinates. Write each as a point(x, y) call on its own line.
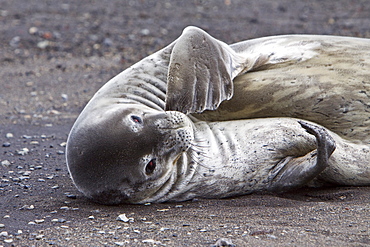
point(200, 118)
point(329, 86)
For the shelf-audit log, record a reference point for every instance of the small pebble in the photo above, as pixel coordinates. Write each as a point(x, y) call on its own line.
point(162, 210)
point(108, 42)
point(43, 44)
point(6, 144)
point(23, 151)
point(27, 173)
point(122, 217)
point(30, 84)
point(14, 42)
point(145, 32)
point(3, 234)
point(271, 236)
point(9, 135)
point(64, 96)
point(71, 196)
point(8, 241)
point(65, 6)
point(122, 243)
point(2, 225)
point(33, 30)
point(5, 163)
point(91, 217)
point(39, 221)
point(38, 237)
point(151, 241)
point(47, 35)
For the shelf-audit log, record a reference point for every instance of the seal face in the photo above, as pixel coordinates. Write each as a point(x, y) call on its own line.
point(201, 118)
point(133, 159)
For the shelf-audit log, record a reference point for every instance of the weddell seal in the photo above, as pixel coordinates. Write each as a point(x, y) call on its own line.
point(203, 119)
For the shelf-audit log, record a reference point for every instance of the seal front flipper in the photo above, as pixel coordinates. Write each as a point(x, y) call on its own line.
point(202, 69)
point(291, 173)
point(200, 72)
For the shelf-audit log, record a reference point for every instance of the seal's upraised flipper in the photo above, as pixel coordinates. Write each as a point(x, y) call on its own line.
point(200, 72)
point(201, 68)
point(292, 173)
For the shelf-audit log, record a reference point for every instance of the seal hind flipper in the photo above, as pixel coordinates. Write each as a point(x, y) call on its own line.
point(200, 72)
point(294, 172)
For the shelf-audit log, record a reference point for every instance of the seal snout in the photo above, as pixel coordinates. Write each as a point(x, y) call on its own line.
point(110, 197)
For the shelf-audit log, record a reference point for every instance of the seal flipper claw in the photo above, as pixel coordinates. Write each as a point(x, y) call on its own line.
point(200, 72)
point(294, 172)
point(325, 143)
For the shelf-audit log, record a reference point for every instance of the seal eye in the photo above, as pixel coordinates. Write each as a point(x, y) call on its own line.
point(150, 167)
point(136, 119)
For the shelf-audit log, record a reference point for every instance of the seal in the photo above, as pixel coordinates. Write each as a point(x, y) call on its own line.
point(200, 118)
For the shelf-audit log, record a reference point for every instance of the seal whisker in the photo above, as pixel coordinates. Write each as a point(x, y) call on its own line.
point(198, 140)
point(196, 153)
point(196, 160)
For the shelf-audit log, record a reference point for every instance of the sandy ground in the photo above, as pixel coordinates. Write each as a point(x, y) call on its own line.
point(55, 54)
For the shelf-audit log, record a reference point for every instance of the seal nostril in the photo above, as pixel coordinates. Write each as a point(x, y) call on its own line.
point(136, 119)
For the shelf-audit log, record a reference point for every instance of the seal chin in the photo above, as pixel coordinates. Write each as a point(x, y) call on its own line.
point(127, 155)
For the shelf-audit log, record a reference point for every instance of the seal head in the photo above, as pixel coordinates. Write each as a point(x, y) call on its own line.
point(126, 153)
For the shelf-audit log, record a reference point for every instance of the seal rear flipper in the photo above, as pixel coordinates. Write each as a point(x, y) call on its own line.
point(294, 172)
point(200, 72)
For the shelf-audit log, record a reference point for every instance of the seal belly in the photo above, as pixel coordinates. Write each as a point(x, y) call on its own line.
point(332, 89)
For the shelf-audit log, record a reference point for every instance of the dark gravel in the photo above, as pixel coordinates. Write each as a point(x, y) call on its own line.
point(56, 54)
